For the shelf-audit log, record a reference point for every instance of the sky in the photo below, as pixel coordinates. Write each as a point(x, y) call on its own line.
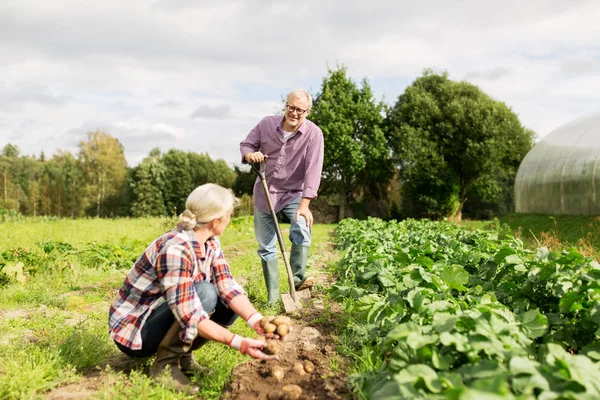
point(199, 75)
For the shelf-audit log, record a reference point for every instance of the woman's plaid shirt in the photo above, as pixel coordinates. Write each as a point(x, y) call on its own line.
point(166, 271)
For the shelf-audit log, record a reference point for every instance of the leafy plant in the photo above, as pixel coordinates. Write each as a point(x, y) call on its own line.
point(463, 313)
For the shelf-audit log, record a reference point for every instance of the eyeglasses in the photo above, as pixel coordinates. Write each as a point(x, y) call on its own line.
point(296, 109)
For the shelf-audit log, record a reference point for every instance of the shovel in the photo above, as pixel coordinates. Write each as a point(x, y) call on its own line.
point(293, 300)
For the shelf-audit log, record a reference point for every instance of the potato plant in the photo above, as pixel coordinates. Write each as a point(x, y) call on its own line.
point(466, 314)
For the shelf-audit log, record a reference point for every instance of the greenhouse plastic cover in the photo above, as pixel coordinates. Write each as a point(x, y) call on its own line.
point(561, 173)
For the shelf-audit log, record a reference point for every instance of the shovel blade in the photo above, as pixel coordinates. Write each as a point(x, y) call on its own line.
point(302, 298)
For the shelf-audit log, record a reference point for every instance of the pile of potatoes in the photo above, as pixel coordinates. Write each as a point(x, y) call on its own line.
point(300, 368)
point(281, 326)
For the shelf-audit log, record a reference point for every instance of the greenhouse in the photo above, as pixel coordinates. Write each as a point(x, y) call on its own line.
point(561, 173)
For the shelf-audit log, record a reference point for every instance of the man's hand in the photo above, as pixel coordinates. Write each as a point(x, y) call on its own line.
point(305, 212)
point(257, 157)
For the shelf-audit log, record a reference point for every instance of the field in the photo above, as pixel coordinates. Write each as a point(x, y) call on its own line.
point(401, 310)
point(54, 311)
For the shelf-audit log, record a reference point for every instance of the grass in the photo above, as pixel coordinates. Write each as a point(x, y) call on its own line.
point(577, 231)
point(552, 231)
point(63, 275)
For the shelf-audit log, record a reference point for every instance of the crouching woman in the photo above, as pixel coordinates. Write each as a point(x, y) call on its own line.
point(180, 294)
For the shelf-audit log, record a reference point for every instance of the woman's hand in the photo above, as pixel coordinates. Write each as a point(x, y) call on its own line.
point(251, 347)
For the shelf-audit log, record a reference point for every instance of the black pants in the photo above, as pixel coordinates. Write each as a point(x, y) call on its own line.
point(158, 323)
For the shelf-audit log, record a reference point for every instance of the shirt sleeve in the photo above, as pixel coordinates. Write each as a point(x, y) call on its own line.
point(314, 166)
point(175, 270)
point(227, 287)
point(252, 142)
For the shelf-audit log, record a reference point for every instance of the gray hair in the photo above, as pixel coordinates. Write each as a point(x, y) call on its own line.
point(301, 93)
point(205, 204)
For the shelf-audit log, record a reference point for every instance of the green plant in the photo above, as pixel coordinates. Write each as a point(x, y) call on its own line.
point(453, 311)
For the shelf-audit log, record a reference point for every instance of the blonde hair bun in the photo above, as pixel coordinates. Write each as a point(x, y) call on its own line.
point(205, 204)
point(188, 220)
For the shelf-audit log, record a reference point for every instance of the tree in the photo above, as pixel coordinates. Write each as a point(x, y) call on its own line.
point(11, 150)
point(449, 140)
point(148, 183)
point(51, 190)
point(356, 153)
point(72, 181)
point(222, 174)
point(8, 160)
point(244, 181)
point(105, 169)
point(179, 177)
point(26, 173)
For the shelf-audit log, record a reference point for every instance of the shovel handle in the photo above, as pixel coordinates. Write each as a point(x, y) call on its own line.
point(256, 168)
point(263, 180)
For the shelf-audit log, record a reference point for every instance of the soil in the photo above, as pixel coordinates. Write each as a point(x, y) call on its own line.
point(310, 341)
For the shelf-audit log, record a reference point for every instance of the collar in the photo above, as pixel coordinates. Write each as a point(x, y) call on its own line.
point(199, 249)
point(301, 128)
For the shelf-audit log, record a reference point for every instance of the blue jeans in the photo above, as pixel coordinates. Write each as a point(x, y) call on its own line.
point(264, 228)
point(158, 323)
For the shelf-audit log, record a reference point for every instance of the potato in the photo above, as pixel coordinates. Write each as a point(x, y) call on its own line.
point(272, 347)
point(282, 320)
point(266, 320)
point(309, 366)
point(270, 328)
point(282, 329)
point(261, 338)
point(275, 395)
point(299, 368)
point(291, 392)
point(278, 373)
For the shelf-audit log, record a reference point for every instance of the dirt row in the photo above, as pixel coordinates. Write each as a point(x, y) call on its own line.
point(311, 340)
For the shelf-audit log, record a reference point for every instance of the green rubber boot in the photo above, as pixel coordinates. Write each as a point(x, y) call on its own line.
point(298, 259)
point(271, 275)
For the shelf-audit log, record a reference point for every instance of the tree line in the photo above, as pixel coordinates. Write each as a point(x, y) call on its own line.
point(450, 149)
point(98, 183)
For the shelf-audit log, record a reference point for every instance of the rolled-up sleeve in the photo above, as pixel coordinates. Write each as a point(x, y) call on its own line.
point(314, 166)
point(175, 272)
point(227, 287)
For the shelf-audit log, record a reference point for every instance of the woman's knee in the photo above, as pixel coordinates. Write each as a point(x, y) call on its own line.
point(208, 295)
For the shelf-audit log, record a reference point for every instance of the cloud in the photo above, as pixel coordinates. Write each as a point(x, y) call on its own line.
point(221, 111)
point(492, 74)
point(581, 67)
point(168, 104)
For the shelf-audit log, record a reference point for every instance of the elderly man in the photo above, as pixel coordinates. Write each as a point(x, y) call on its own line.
point(292, 148)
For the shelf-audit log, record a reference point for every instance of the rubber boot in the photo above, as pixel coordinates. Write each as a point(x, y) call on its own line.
point(169, 352)
point(189, 365)
point(298, 259)
point(271, 275)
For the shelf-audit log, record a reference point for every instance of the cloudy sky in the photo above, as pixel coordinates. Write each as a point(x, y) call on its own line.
point(198, 75)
